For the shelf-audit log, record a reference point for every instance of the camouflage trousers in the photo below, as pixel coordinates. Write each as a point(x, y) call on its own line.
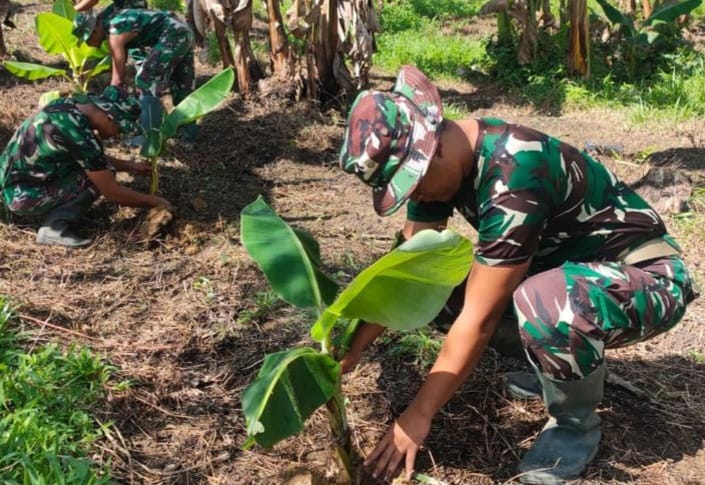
point(569, 315)
point(37, 200)
point(566, 317)
point(169, 66)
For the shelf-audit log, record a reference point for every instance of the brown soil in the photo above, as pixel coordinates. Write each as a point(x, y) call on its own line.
point(181, 323)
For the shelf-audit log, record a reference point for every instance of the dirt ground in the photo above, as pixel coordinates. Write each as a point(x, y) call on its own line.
point(187, 321)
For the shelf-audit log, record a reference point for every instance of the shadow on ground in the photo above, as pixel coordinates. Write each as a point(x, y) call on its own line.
point(483, 432)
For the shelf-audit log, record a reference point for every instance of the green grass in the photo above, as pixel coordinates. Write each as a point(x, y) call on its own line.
point(172, 5)
point(46, 427)
point(418, 347)
point(454, 111)
point(435, 53)
point(697, 357)
point(667, 85)
point(266, 302)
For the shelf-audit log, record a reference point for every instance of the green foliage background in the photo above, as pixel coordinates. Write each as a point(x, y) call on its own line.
point(441, 39)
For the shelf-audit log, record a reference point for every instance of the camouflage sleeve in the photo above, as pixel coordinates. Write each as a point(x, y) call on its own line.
point(428, 211)
point(510, 227)
point(124, 21)
point(84, 147)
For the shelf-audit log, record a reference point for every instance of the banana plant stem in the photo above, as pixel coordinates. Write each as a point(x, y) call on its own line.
point(154, 186)
point(341, 432)
point(338, 422)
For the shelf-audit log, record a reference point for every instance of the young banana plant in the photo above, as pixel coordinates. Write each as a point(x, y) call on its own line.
point(405, 289)
point(196, 105)
point(55, 37)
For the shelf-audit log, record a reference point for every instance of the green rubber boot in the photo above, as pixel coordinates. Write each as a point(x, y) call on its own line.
point(523, 385)
point(506, 340)
point(55, 228)
point(570, 439)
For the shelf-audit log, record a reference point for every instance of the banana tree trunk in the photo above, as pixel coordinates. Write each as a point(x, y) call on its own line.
point(245, 62)
point(646, 8)
point(3, 50)
point(628, 6)
point(325, 45)
point(529, 36)
point(504, 28)
point(579, 34)
point(279, 44)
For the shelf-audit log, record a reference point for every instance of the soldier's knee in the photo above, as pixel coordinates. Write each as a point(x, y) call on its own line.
point(539, 287)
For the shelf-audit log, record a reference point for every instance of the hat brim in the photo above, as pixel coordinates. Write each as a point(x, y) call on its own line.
point(425, 132)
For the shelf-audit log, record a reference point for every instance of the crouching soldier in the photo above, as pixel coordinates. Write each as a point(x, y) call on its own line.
point(581, 261)
point(169, 65)
point(54, 165)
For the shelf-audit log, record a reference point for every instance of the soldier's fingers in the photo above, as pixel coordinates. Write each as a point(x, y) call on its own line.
point(410, 461)
point(384, 460)
point(393, 465)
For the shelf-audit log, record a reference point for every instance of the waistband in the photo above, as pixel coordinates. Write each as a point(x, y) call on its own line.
point(651, 249)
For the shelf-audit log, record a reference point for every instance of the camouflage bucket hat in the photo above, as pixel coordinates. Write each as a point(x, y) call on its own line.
point(390, 138)
point(84, 25)
point(123, 108)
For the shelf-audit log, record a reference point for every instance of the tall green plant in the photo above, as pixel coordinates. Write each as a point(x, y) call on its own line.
point(641, 39)
point(55, 37)
point(405, 289)
point(196, 105)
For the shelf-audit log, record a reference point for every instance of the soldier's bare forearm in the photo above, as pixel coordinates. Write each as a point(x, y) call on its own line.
point(119, 55)
point(126, 196)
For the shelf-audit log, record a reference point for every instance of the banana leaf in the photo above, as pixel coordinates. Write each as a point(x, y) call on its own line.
point(200, 102)
point(55, 34)
point(406, 288)
point(102, 66)
point(671, 12)
point(49, 96)
point(617, 17)
point(83, 51)
point(289, 258)
point(31, 71)
point(289, 387)
point(64, 8)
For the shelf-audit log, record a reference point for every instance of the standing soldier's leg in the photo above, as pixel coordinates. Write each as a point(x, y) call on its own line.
point(151, 83)
point(183, 82)
point(567, 317)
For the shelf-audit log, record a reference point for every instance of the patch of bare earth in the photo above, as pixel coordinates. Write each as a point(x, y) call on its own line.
point(181, 322)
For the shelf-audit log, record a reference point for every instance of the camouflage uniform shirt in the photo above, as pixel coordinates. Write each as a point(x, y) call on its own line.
point(150, 25)
point(118, 5)
point(52, 144)
point(532, 196)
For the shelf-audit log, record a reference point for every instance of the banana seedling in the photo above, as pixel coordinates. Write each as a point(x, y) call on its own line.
point(55, 37)
point(196, 105)
point(403, 290)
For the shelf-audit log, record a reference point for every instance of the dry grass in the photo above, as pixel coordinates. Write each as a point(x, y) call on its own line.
point(167, 316)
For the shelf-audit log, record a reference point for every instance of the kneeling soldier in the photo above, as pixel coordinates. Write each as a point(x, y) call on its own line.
point(54, 165)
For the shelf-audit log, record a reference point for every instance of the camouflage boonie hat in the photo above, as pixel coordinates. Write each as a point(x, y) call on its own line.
point(390, 138)
point(123, 108)
point(84, 25)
